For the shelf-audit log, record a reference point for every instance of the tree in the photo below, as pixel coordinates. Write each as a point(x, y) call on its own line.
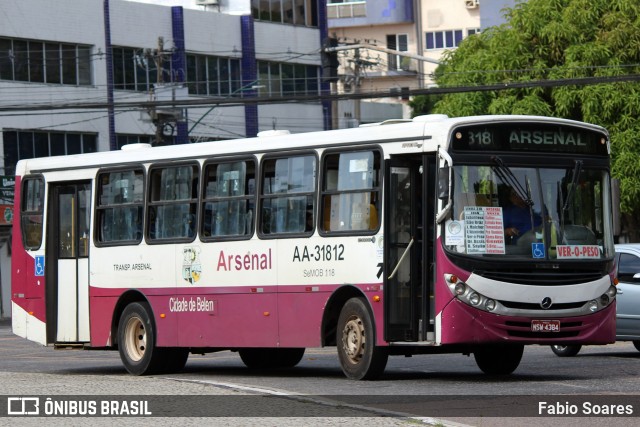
point(423, 104)
point(559, 39)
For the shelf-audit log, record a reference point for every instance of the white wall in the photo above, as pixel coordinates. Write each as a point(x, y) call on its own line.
point(278, 42)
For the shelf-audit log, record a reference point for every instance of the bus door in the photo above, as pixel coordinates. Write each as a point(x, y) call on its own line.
point(67, 266)
point(408, 237)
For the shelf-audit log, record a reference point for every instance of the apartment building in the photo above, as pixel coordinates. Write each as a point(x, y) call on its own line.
point(395, 45)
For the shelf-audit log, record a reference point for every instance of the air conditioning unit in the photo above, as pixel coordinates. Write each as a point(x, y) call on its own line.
point(207, 2)
point(471, 4)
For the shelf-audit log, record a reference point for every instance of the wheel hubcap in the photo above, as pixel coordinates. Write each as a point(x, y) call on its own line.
point(135, 339)
point(353, 339)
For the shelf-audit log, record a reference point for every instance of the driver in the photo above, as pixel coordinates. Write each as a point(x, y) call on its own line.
point(518, 218)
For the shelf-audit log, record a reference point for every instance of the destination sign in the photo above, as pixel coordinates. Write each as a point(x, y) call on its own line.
point(530, 137)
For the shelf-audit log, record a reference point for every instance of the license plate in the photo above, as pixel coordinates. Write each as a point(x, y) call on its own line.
point(545, 325)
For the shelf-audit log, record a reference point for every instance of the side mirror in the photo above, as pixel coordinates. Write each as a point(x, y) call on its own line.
point(615, 207)
point(443, 183)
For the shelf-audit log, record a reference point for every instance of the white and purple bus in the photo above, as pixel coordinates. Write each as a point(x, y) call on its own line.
point(388, 239)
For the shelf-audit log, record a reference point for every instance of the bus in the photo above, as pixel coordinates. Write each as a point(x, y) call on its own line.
point(387, 239)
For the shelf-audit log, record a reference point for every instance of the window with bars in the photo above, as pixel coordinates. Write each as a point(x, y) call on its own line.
point(137, 69)
point(213, 75)
point(23, 144)
point(447, 39)
point(45, 62)
point(399, 42)
point(292, 12)
point(281, 79)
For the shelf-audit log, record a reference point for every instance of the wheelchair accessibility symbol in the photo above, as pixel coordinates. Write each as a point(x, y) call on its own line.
point(537, 250)
point(39, 267)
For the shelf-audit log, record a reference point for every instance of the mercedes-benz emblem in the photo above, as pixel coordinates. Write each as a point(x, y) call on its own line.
point(546, 303)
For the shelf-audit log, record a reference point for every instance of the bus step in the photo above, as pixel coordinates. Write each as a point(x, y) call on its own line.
point(68, 346)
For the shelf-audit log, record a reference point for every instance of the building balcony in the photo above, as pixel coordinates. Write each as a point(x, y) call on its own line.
point(347, 10)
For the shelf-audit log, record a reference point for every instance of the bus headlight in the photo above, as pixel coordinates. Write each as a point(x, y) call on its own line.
point(474, 298)
point(593, 306)
point(467, 295)
point(607, 297)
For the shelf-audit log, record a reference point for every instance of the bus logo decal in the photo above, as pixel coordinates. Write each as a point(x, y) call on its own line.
point(191, 267)
point(248, 262)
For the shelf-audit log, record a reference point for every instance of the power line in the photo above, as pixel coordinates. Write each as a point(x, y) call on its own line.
point(263, 100)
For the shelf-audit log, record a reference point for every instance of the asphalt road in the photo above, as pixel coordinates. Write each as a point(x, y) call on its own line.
point(423, 390)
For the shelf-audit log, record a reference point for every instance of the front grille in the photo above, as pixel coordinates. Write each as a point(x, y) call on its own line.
point(536, 306)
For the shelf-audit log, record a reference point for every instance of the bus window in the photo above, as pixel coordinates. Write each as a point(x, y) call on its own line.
point(173, 202)
point(31, 215)
point(350, 191)
point(228, 200)
point(84, 219)
point(287, 197)
point(119, 206)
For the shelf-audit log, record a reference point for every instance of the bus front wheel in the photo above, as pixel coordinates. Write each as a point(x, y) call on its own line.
point(499, 360)
point(566, 350)
point(136, 340)
point(360, 358)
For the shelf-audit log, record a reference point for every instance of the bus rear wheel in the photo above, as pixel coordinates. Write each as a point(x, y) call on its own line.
point(499, 360)
point(360, 358)
point(271, 358)
point(137, 344)
point(566, 350)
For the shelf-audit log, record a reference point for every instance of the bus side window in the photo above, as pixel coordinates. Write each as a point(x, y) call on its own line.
point(228, 199)
point(288, 195)
point(120, 206)
point(173, 202)
point(32, 206)
point(350, 191)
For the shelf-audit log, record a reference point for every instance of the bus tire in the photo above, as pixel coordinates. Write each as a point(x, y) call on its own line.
point(174, 359)
point(360, 358)
point(136, 340)
point(499, 360)
point(636, 344)
point(271, 358)
point(566, 350)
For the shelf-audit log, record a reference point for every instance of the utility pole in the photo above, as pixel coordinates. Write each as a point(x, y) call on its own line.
point(166, 118)
point(156, 117)
point(356, 86)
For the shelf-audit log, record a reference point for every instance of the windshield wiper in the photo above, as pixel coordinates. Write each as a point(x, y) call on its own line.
point(505, 175)
point(574, 181)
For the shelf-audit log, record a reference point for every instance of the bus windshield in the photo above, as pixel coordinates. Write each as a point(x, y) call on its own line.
point(528, 212)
